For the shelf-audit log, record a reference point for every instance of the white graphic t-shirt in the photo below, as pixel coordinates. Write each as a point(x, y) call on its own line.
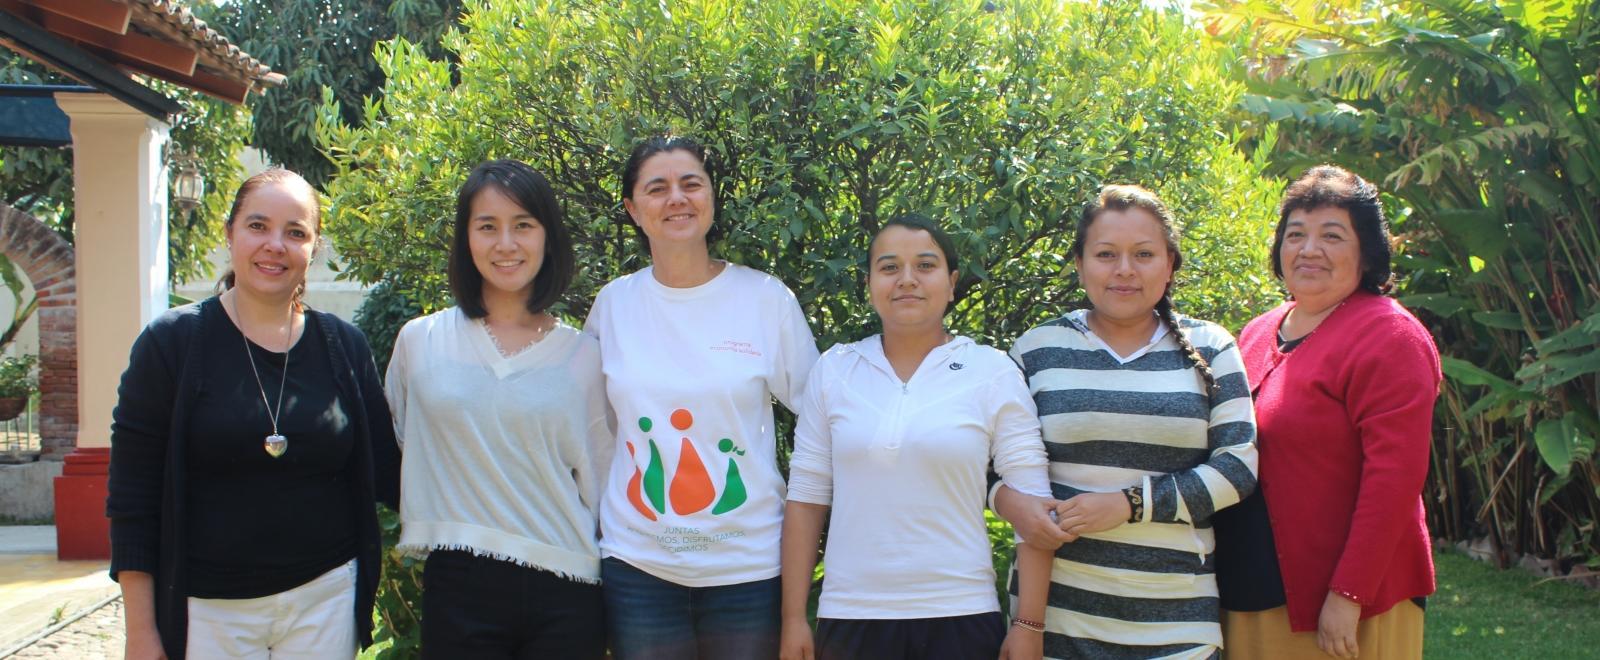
point(694, 495)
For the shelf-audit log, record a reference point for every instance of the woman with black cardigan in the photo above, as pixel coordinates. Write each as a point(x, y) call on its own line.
point(250, 443)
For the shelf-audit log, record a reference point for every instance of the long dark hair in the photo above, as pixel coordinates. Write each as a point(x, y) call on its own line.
point(1123, 198)
point(249, 187)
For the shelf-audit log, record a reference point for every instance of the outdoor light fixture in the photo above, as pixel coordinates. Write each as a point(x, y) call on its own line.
point(187, 185)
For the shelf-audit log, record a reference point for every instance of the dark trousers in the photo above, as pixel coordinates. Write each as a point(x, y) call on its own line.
point(648, 618)
point(968, 637)
point(477, 607)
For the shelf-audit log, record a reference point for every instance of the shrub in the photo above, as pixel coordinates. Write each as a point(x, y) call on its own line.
point(999, 118)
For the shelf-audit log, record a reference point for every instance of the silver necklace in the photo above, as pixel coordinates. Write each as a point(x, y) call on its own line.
point(274, 444)
point(537, 337)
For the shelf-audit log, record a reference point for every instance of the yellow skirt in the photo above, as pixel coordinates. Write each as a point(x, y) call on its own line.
point(1393, 635)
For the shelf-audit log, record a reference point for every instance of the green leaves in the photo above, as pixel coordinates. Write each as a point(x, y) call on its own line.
point(827, 118)
point(322, 45)
point(1561, 443)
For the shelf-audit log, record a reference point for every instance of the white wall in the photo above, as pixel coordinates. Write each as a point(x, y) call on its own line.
point(27, 341)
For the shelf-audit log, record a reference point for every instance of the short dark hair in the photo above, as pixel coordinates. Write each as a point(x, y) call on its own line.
point(529, 189)
point(659, 144)
point(1331, 185)
point(919, 222)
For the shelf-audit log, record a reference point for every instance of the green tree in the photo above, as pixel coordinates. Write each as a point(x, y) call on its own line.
point(317, 45)
point(1478, 118)
point(827, 117)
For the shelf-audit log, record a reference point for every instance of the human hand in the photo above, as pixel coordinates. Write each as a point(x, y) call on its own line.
point(1336, 626)
point(1092, 512)
point(1037, 525)
point(143, 643)
point(1031, 517)
point(795, 643)
point(1022, 644)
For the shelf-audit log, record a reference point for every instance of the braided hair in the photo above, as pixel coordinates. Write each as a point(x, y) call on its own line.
point(1121, 197)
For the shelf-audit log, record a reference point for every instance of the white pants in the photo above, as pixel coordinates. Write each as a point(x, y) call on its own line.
point(315, 620)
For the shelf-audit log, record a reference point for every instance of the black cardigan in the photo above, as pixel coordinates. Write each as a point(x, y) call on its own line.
point(148, 473)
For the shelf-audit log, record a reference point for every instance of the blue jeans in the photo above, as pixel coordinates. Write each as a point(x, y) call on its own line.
point(650, 618)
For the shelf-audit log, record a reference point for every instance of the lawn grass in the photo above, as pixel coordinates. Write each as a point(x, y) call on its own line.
point(1482, 612)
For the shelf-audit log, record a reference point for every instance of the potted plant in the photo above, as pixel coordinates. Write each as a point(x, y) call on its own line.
point(17, 382)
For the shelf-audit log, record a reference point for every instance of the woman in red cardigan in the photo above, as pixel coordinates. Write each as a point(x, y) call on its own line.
point(1331, 557)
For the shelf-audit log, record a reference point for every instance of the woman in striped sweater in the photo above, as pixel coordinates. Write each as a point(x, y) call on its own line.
point(1147, 421)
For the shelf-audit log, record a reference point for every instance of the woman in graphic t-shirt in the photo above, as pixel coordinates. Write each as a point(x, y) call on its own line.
point(693, 350)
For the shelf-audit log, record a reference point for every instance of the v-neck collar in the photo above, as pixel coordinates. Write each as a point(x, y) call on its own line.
point(1259, 364)
point(1080, 318)
point(503, 366)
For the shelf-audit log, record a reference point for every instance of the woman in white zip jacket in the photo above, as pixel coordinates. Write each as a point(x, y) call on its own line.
point(894, 436)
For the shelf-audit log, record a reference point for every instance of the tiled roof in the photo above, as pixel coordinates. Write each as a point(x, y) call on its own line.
point(172, 20)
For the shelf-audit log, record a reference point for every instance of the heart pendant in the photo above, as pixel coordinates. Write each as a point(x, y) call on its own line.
point(275, 445)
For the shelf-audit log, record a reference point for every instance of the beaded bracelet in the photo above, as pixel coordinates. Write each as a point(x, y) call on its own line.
point(1025, 624)
point(1347, 595)
point(1135, 495)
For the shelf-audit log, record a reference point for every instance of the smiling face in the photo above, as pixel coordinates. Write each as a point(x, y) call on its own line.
point(272, 238)
point(506, 241)
point(1321, 255)
point(1125, 266)
point(911, 283)
point(671, 201)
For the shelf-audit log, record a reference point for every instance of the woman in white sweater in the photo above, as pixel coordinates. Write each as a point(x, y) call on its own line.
point(894, 437)
point(501, 411)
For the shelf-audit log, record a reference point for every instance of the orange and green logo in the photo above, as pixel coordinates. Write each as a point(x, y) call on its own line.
point(691, 490)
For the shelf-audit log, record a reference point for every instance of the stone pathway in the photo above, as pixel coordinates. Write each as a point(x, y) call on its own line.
point(37, 591)
point(96, 636)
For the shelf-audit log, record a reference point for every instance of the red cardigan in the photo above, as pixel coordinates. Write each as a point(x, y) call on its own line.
point(1344, 424)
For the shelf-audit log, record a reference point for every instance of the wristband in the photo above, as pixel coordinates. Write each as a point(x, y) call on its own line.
point(1025, 624)
point(1347, 595)
point(1135, 495)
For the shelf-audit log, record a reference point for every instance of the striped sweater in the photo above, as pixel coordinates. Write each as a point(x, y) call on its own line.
point(1144, 589)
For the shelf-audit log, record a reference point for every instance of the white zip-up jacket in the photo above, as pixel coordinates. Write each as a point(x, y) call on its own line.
point(903, 465)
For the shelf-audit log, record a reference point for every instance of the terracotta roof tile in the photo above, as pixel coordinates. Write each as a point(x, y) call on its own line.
point(172, 20)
